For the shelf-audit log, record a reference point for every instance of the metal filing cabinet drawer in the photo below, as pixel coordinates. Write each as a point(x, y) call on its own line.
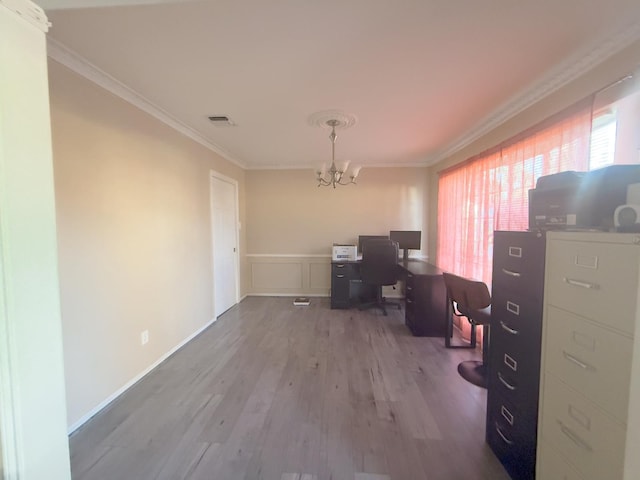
point(583, 434)
point(590, 359)
point(511, 435)
point(554, 466)
point(519, 262)
point(589, 279)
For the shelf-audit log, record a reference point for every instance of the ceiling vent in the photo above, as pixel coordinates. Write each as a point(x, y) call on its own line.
point(221, 121)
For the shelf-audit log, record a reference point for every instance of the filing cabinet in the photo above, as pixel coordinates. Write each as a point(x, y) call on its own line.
point(590, 387)
point(514, 350)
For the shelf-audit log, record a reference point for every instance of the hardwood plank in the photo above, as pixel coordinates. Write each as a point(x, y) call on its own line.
point(277, 392)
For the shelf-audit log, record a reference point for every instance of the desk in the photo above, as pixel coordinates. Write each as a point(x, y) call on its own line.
point(425, 298)
point(425, 294)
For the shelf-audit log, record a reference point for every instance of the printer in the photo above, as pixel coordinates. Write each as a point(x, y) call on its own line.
point(580, 200)
point(344, 253)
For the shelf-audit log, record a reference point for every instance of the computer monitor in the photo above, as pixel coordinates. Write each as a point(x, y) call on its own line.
point(407, 240)
point(362, 239)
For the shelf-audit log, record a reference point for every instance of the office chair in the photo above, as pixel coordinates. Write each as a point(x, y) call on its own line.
point(470, 299)
point(379, 267)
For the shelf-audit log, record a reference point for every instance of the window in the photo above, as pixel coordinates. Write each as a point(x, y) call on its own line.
point(603, 139)
point(491, 192)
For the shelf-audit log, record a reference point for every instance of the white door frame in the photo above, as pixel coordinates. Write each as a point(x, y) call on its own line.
point(219, 176)
point(33, 423)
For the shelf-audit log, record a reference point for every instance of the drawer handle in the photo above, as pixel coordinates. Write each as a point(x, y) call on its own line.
point(409, 288)
point(574, 437)
point(502, 435)
point(409, 300)
point(505, 383)
point(507, 329)
point(339, 265)
point(510, 273)
point(340, 275)
point(577, 361)
point(578, 283)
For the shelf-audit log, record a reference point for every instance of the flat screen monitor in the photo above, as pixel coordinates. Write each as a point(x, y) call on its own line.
point(407, 240)
point(364, 238)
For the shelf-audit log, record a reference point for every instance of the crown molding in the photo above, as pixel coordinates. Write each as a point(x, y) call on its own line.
point(72, 60)
point(563, 74)
point(29, 11)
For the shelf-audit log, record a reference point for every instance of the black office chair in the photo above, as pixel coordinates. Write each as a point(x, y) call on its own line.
point(471, 299)
point(379, 267)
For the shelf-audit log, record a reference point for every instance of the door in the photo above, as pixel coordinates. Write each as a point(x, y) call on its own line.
point(224, 222)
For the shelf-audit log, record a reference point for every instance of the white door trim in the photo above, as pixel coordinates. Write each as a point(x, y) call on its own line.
point(219, 176)
point(9, 432)
point(33, 437)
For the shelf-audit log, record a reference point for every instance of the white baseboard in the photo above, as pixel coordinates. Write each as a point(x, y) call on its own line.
point(85, 418)
point(288, 294)
point(396, 296)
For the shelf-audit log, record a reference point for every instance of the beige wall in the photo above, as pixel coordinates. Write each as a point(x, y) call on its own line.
point(291, 223)
point(133, 208)
point(609, 71)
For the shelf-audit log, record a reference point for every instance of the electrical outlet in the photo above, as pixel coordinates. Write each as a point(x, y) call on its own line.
point(144, 337)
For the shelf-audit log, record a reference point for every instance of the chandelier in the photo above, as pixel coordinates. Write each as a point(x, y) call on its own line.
point(335, 176)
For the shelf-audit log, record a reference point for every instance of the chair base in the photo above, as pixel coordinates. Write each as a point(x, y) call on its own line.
point(474, 371)
point(381, 304)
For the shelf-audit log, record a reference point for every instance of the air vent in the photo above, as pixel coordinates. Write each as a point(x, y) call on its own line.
point(221, 120)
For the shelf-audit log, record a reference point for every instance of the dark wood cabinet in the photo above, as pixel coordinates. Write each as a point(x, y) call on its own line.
point(514, 350)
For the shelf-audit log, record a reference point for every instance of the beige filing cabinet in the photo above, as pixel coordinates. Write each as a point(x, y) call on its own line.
point(589, 422)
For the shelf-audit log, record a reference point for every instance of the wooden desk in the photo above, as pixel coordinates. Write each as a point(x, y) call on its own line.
point(425, 294)
point(425, 299)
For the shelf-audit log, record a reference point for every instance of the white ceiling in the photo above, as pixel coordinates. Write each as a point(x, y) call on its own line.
point(423, 77)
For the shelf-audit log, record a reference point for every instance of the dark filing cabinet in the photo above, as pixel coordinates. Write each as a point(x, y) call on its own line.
point(514, 351)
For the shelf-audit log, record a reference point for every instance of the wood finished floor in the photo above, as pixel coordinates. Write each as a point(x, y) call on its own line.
point(273, 391)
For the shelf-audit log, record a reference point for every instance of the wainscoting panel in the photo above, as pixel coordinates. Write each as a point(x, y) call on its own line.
point(277, 275)
point(320, 275)
point(289, 275)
